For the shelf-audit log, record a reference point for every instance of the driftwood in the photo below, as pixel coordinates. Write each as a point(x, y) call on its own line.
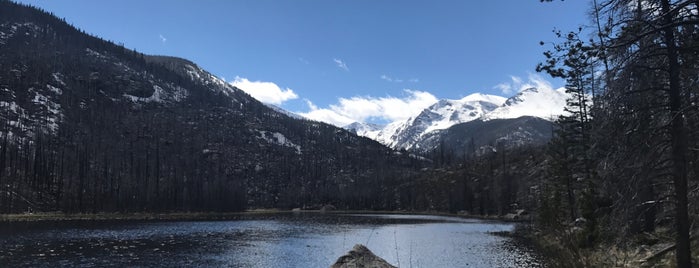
point(359, 257)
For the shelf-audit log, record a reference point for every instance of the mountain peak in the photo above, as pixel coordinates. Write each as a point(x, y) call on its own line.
point(484, 97)
point(531, 89)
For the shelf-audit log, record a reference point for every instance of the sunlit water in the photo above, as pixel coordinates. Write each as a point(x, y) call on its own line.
point(281, 240)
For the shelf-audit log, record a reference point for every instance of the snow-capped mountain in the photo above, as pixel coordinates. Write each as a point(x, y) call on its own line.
point(544, 103)
point(441, 115)
point(422, 132)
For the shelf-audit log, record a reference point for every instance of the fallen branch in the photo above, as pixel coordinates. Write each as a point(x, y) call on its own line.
point(11, 193)
point(665, 250)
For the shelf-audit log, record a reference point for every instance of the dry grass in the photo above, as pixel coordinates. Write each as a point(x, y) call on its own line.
point(631, 252)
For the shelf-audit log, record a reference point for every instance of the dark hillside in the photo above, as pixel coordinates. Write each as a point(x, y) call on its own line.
point(87, 125)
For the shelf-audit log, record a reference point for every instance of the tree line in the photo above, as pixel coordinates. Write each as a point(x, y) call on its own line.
point(625, 157)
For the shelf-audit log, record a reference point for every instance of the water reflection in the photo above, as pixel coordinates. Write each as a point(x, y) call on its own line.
point(280, 240)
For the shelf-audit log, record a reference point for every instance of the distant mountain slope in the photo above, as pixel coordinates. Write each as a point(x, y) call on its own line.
point(478, 136)
point(90, 126)
point(364, 129)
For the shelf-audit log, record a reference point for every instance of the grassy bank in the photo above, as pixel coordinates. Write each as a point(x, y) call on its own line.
point(648, 250)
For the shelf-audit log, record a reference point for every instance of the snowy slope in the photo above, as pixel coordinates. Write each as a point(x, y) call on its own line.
point(544, 103)
point(368, 130)
point(387, 133)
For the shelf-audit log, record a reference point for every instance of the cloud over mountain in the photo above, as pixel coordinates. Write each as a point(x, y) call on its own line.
point(363, 108)
point(266, 92)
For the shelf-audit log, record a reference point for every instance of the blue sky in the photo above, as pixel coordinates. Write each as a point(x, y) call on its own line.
point(340, 60)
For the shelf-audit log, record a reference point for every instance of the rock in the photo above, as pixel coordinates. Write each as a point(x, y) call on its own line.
point(360, 256)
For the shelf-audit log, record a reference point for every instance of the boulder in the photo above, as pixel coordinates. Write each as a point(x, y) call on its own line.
point(359, 257)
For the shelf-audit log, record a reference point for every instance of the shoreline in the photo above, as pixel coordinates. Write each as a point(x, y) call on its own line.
point(203, 216)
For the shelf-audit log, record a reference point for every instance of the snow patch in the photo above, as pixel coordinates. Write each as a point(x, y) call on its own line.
point(159, 95)
point(7, 31)
point(58, 77)
point(11, 106)
point(95, 54)
point(123, 66)
point(278, 139)
point(53, 114)
point(200, 75)
point(53, 89)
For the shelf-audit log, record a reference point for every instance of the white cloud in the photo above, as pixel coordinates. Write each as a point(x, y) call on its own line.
point(397, 80)
point(359, 109)
point(310, 104)
point(390, 79)
point(162, 38)
point(266, 92)
point(516, 80)
point(341, 64)
point(505, 88)
point(536, 81)
point(325, 115)
point(517, 84)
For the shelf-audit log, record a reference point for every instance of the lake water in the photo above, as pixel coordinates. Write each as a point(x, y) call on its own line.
point(275, 240)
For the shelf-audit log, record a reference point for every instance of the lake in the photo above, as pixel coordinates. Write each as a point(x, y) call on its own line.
point(273, 240)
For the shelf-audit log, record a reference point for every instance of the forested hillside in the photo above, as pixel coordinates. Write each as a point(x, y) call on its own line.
point(90, 126)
